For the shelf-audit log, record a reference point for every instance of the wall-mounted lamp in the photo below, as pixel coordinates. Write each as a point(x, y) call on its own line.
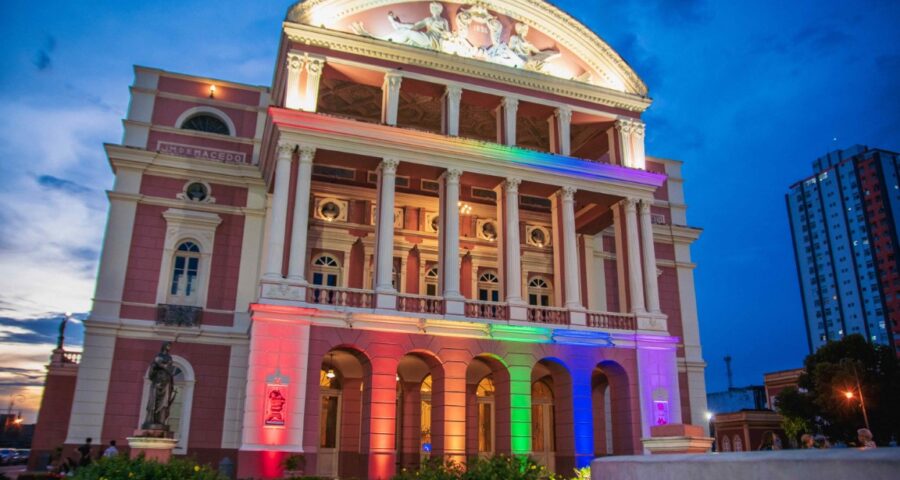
point(212, 91)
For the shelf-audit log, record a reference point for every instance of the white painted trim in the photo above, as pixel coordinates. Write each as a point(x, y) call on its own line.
point(183, 225)
point(232, 132)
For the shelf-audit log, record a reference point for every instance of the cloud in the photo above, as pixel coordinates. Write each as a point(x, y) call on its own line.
point(52, 226)
point(42, 59)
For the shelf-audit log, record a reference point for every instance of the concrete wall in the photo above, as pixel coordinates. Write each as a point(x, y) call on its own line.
point(787, 464)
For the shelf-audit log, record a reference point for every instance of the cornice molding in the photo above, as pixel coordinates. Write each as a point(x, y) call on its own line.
point(406, 55)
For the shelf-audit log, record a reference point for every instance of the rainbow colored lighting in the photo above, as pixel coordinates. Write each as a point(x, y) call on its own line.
point(522, 334)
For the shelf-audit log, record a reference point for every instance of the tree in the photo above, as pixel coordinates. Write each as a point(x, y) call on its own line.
point(831, 372)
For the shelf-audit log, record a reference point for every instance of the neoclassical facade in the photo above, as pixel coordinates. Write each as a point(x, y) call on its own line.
point(436, 234)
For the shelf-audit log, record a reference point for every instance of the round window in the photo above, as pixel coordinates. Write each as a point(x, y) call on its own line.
point(330, 210)
point(538, 237)
point(196, 191)
point(489, 230)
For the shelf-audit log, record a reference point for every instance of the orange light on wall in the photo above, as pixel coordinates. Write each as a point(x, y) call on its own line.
point(848, 394)
point(212, 91)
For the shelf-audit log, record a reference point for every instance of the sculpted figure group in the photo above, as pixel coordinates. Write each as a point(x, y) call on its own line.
point(434, 33)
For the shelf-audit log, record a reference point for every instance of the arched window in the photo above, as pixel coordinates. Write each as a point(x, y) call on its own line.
point(205, 122)
point(484, 397)
point(326, 271)
point(738, 444)
point(185, 268)
point(489, 287)
point(726, 444)
point(431, 282)
point(539, 292)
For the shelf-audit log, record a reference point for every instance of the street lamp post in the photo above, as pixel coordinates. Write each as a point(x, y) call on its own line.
point(862, 401)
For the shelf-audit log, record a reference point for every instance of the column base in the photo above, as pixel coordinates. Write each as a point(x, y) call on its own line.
point(652, 321)
point(518, 311)
point(455, 305)
point(577, 316)
point(282, 290)
point(386, 299)
point(677, 438)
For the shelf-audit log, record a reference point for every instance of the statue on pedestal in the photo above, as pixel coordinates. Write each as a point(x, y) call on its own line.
point(162, 390)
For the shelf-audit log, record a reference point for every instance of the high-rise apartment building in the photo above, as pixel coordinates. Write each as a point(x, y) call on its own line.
point(844, 222)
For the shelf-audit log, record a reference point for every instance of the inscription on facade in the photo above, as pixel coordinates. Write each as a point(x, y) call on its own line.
point(205, 153)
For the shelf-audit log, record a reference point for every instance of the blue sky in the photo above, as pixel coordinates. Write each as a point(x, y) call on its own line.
point(747, 94)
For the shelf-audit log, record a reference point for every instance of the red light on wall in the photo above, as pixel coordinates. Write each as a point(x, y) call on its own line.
point(276, 405)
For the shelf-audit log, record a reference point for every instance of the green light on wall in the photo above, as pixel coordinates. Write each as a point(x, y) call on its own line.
point(518, 333)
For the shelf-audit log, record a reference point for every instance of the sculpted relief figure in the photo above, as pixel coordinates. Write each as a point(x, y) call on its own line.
point(162, 390)
point(532, 57)
point(430, 32)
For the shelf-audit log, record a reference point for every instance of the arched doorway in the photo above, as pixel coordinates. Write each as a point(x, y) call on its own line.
point(552, 416)
point(419, 427)
point(543, 441)
point(611, 404)
point(342, 411)
point(487, 407)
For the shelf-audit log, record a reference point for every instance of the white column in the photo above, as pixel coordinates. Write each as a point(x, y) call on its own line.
point(509, 106)
point(563, 117)
point(279, 210)
point(314, 67)
point(635, 280)
point(452, 97)
point(631, 140)
point(300, 224)
point(384, 240)
point(512, 254)
point(293, 98)
point(390, 97)
point(449, 236)
point(650, 281)
point(570, 250)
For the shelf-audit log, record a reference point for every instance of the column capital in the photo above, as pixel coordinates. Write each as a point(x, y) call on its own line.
point(389, 165)
point(294, 61)
point(630, 204)
point(645, 207)
point(286, 149)
point(563, 113)
point(392, 79)
point(453, 174)
point(509, 102)
point(567, 193)
point(314, 65)
point(511, 184)
point(624, 125)
point(454, 92)
point(307, 152)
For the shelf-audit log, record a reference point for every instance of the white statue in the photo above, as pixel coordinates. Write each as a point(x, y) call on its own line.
point(430, 32)
point(532, 57)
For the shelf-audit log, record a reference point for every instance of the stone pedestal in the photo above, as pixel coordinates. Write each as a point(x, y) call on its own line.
point(155, 445)
point(677, 438)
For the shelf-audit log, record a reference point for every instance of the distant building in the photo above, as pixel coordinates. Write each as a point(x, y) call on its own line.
point(777, 381)
point(736, 399)
point(844, 222)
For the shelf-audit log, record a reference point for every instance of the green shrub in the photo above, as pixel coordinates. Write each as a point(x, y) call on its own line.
point(123, 468)
point(498, 467)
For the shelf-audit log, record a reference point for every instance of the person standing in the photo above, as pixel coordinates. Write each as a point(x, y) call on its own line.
point(111, 450)
point(85, 452)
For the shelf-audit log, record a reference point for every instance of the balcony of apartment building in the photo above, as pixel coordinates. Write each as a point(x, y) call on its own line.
point(393, 192)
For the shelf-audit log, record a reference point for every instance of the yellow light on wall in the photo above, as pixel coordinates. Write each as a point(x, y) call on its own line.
point(212, 91)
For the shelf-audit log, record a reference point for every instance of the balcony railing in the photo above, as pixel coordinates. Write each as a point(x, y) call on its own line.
point(551, 315)
point(420, 304)
point(618, 321)
point(340, 297)
point(178, 315)
point(488, 310)
point(63, 357)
